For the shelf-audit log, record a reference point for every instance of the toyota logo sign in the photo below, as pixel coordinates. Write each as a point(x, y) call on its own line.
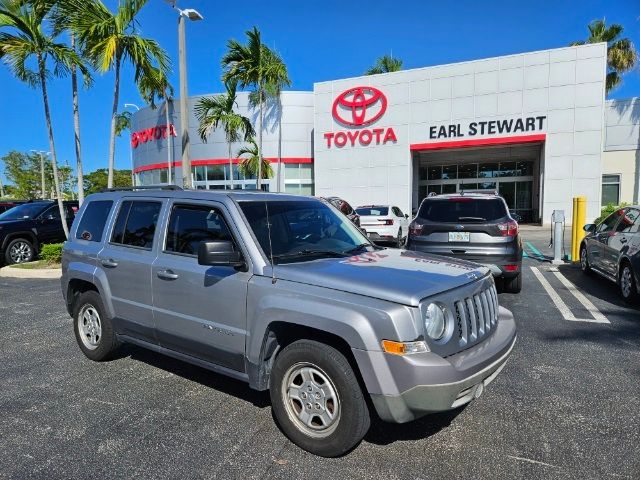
point(359, 106)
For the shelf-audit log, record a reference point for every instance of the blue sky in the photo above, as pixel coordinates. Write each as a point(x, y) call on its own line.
point(318, 41)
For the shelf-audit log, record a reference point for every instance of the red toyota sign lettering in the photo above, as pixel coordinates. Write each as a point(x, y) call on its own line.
point(153, 133)
point(359, 107)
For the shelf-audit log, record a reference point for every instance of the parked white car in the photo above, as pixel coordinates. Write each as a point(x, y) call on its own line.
point(384, 223)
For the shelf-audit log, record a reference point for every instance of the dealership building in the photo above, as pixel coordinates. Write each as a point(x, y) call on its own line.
point(535, 127)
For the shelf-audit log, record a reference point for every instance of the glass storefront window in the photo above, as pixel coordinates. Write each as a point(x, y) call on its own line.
point(487, 186)
point(489, 170)
point(525, 169)
point(523, 195)
point(449, 188)
point(199, 174)
point(434, 189)
point(468, 186)
point(610, 190)
point(164, 175)
point(508, 169)
point(468, 170)
point(291, 171)
point(215, 172)
point(508, 192)
point(449, 172)
point(435, 173)
point(306, 171)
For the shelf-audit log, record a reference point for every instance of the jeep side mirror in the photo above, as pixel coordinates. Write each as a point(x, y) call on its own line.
point(219, 253)
point(589, 227)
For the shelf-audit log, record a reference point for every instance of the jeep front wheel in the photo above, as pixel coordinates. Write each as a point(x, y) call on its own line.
point(317, 400)
point(94, 331)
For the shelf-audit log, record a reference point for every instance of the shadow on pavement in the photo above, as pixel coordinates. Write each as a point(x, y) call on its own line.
point(598, 287)
point(197, 374)
point(383, 433)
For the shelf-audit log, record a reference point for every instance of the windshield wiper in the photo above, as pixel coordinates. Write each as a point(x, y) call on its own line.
point(310, 253)
point(480, 219)
point(358, 247)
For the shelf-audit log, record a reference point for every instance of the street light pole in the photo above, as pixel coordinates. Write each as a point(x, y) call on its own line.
point(42, 183)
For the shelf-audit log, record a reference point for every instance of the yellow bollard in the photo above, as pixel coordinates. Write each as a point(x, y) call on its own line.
point(577, 232)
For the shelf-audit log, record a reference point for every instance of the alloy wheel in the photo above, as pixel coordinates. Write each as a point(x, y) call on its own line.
point(584, 262)
point(311, 400)
point(20, 252)
point(626, 282)
point(90, 327)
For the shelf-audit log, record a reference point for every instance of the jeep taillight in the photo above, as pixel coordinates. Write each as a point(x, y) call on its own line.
point(415, 229)
point(509, 229)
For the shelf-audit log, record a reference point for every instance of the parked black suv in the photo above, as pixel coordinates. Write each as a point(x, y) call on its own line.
point(473, 226)
point(25, 227)
point(612, 249)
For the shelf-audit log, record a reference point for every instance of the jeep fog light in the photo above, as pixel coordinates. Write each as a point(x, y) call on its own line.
point(404, 348)
point(435, 321)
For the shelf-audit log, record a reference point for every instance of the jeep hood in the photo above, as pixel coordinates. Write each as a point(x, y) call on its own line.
point(399, 276)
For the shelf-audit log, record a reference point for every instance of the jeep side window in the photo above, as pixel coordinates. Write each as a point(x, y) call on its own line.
point(190, 225)
point(52, 213)
point(136, 224)
point(93, 220)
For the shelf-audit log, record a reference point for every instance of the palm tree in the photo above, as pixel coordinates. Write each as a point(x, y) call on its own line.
point(111, 39)
point(22, 37)
point(254, 164)
point(621, 53)
point(385, 64)
point(254, 65)
point(123, 122)
point(213, 112)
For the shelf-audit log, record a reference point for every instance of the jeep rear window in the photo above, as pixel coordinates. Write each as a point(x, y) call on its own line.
point(93, 220)
point(462, 209)
point(136, 224)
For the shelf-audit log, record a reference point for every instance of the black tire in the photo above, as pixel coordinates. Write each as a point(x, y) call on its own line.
point(630, 294)
point(513, 284)
point(399, 241)
point(584, 260)
point(352, 421)
point(19, 250)
point(106, 344)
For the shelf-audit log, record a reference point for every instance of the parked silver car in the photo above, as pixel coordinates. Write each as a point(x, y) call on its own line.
point(286, 294)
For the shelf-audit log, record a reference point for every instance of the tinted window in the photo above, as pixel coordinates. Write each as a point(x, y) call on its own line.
point(609, 222)
point(630, 221)
point(93, 220)
point(372, 211)
point(27, 210)
point(52, 213)
point(463, 209)
point(191, 225)
point(136, 224)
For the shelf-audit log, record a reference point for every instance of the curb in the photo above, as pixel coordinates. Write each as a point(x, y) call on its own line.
point(9, 272)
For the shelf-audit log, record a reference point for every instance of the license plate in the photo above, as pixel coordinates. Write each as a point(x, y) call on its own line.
point(458, 236)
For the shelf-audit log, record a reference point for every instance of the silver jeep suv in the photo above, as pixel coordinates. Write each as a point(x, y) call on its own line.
point(286, 294)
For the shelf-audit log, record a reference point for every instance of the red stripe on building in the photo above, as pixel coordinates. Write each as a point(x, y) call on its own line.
point(479, 142)
point(217, 161)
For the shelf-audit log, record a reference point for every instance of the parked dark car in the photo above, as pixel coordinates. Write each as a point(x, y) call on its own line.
point(472, 226)
point(612, 249)
point(7, 205)
point(25, 227)
point(345, 208)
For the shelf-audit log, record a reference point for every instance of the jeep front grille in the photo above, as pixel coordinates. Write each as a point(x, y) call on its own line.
point(476, 315)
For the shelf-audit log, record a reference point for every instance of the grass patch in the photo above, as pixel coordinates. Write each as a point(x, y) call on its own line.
point(36, 264)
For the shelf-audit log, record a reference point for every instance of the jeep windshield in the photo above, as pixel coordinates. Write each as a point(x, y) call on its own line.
point(24, 211)
point(302, 230)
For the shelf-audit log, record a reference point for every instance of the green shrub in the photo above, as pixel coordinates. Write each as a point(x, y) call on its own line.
point(608, 210)
point(51, 253)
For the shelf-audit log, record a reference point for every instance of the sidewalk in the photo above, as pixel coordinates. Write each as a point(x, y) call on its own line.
point(10, 272)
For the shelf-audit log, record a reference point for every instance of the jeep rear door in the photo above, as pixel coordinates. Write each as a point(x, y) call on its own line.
point(199, 310)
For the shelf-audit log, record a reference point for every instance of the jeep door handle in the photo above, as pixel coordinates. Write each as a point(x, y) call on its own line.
point(109, 263)
point(167, 275)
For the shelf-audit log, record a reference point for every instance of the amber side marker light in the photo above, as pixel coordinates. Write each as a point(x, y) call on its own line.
point(404, 348)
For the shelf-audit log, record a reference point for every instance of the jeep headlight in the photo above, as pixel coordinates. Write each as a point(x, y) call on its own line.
point(435, 321)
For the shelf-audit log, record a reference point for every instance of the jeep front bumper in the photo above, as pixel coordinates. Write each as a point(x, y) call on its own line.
point(404, 388)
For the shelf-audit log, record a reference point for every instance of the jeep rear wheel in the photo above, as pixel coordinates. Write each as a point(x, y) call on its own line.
point(19, 250)
point(317, 400)
point(93, 330)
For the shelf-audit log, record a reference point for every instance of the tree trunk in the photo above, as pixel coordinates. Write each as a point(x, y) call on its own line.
point(259, 181)
point(76, 125)
point(230, 166)
point(278, 176)
point(52, 146)
point(114, 112)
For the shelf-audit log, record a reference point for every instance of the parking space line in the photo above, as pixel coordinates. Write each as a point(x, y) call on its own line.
point(591, 308)
point(559, 303)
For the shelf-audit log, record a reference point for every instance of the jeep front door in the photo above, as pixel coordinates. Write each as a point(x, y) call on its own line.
point(199, 310)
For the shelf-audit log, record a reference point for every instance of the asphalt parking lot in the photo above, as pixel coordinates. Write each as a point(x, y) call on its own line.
point(566, 405)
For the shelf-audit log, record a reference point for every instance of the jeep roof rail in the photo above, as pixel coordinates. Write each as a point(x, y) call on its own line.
point(146, 187)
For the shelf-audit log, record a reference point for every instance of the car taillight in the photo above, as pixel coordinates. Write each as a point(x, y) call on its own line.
point(509, 229)
point(415, 229)
point(387, 222)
